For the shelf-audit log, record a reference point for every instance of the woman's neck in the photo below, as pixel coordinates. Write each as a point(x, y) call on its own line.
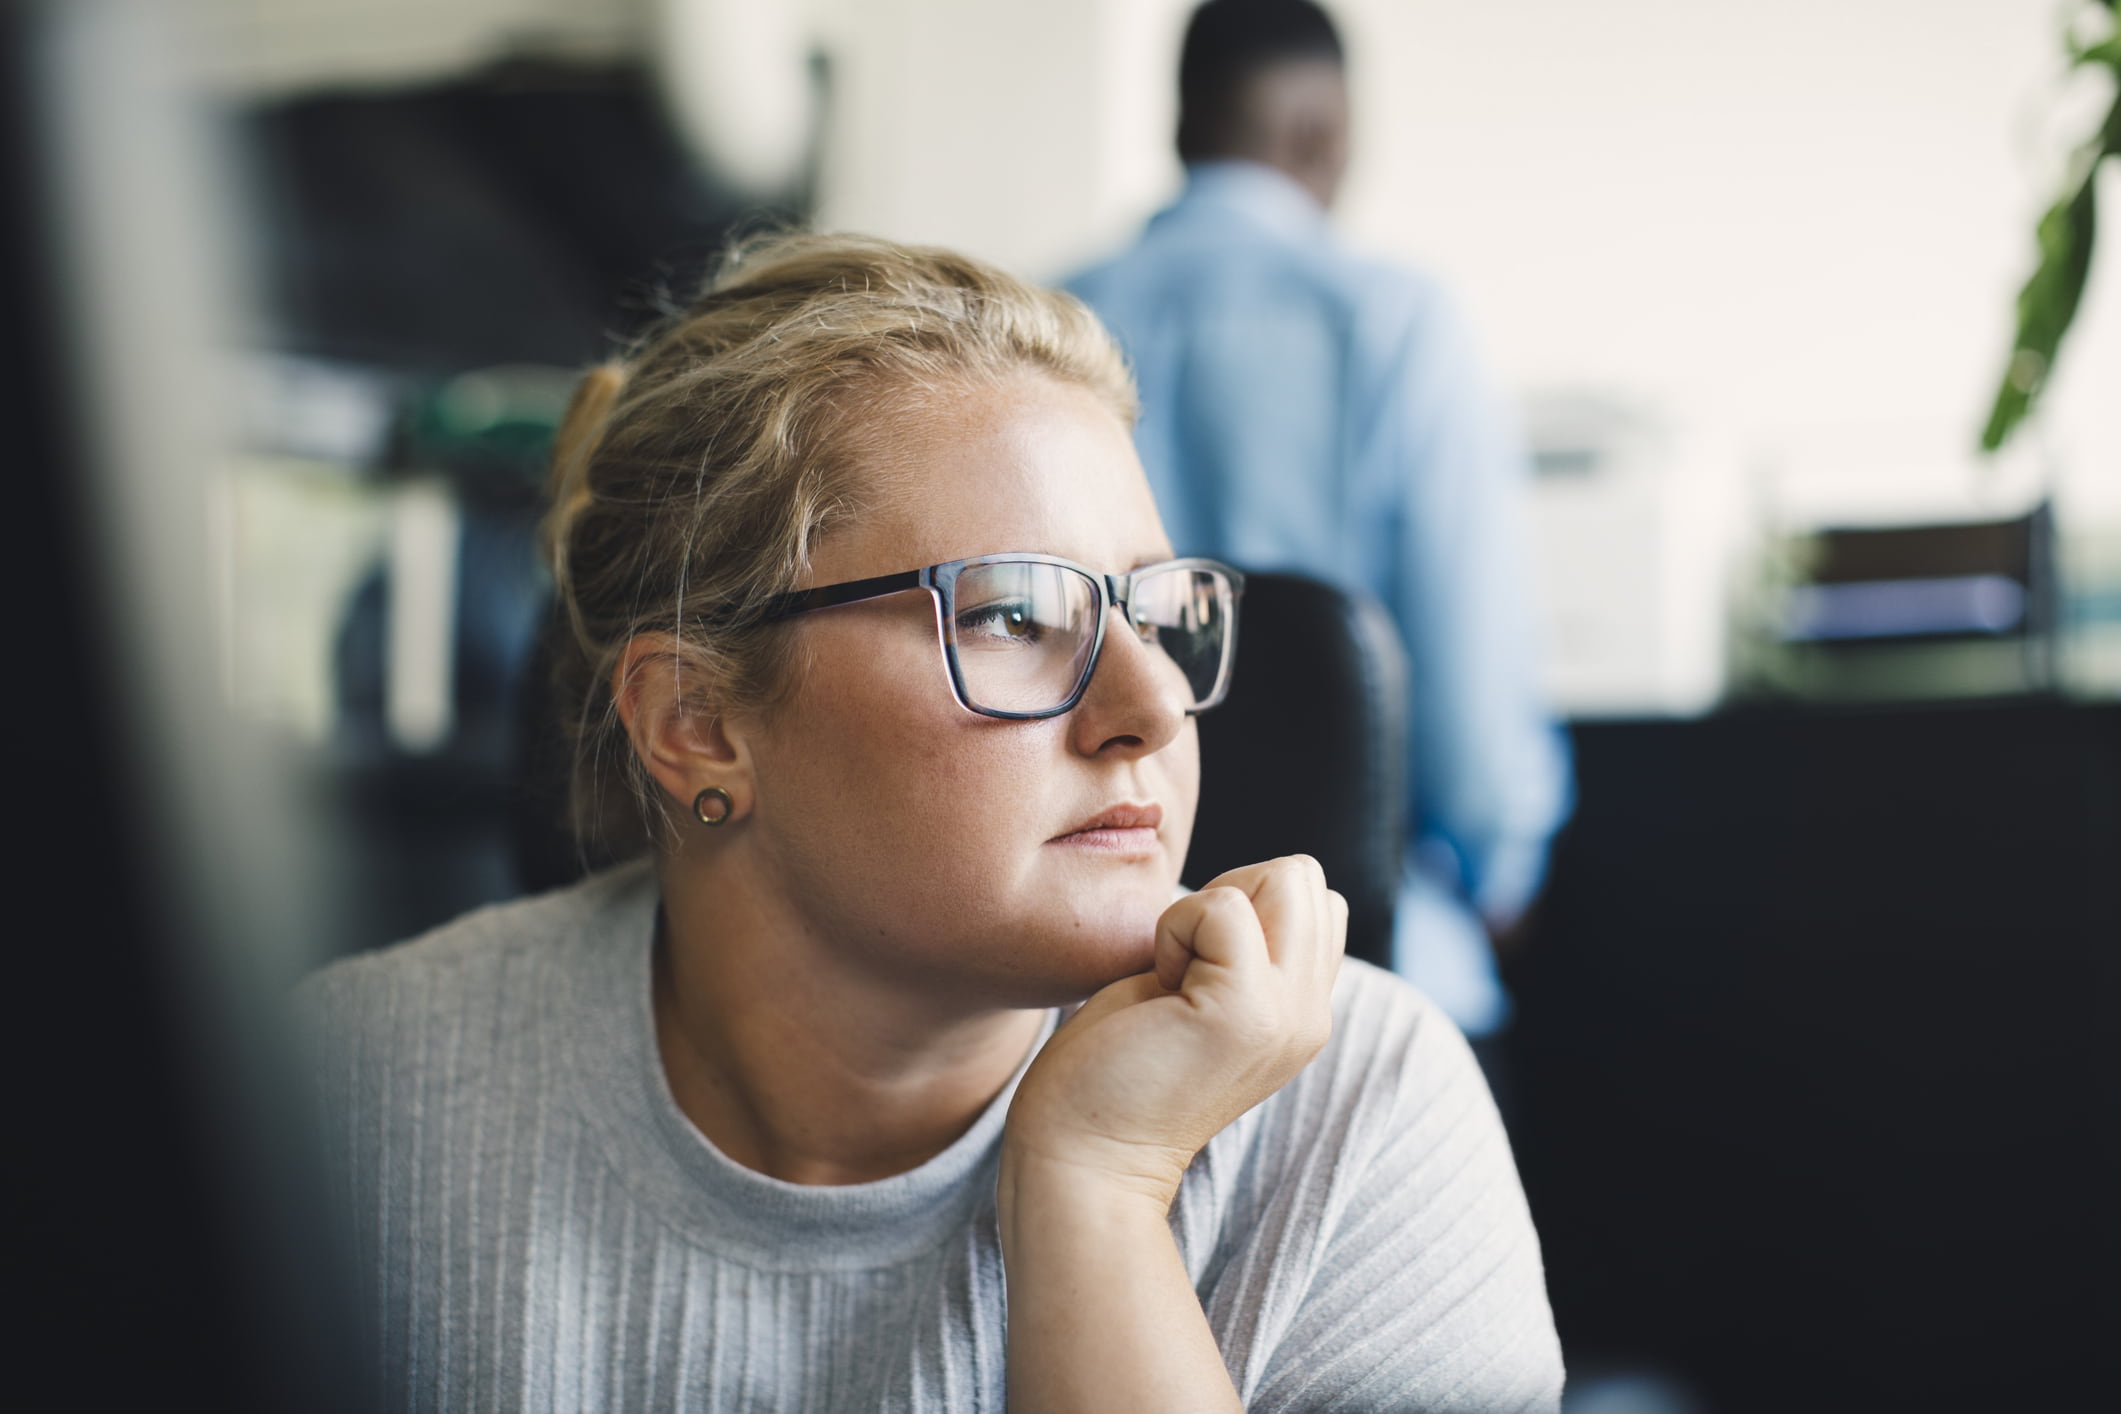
point(794, 1065)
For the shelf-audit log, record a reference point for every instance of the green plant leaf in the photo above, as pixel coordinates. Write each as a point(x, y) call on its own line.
point(2048, 302)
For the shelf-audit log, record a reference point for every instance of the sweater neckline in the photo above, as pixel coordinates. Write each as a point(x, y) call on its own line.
point(764, 1222)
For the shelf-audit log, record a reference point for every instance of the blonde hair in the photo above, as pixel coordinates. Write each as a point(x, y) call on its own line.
point(691, 482)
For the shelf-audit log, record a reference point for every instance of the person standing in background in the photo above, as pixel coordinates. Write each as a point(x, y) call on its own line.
point(1307, 409)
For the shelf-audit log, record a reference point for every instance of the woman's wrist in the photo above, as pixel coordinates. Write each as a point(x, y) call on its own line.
point(1102, 1311)
point(1097, 1190)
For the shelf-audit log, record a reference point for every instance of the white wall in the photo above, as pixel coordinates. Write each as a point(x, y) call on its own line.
point(1805, 223)
point(982, 124)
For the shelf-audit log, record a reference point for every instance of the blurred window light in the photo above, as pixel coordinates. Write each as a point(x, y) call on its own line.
point(314, 409)
point(425, 528)
point(299, 537)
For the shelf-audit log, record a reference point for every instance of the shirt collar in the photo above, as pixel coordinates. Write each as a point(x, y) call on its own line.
point(1254, 190)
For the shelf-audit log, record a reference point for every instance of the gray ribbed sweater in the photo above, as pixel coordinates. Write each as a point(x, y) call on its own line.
point(545, 1230)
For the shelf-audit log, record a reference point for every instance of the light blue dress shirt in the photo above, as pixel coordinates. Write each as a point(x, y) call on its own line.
point(1307, 409)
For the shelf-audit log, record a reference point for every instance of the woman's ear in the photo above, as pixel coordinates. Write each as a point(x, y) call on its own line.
point(685, 745)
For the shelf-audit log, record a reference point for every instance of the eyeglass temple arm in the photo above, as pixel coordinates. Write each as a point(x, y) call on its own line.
point(853, 591)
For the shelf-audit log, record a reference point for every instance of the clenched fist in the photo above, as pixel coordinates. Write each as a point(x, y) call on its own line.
point(1154, 1066)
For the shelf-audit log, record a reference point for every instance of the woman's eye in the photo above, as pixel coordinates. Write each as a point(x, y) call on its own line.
point(1004, 621)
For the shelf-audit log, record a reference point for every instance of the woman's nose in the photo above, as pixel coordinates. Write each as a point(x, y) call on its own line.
point(1137, 698)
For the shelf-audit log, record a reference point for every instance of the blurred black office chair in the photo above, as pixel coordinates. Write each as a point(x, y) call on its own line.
point(1306, 756)
point(1308, 753)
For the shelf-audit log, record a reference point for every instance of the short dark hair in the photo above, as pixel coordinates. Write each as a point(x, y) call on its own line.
point(1228, 41)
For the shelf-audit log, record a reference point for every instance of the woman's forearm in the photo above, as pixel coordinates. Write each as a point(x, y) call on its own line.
point(1102, 1315)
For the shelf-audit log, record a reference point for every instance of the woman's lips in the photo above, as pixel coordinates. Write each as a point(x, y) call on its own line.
point(1136, 840)
point(1126, 828)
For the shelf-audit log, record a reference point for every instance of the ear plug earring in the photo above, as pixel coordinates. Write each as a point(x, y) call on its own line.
point(700, 803)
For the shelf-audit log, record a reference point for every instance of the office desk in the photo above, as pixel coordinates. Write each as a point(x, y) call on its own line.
point(1815, 1055)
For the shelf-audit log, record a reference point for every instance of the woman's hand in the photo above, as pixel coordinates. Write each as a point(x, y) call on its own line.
point(1154, 1066)
point(1102, 1313)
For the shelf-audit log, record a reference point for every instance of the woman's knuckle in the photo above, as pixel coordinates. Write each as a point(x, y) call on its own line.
point(1304, 865)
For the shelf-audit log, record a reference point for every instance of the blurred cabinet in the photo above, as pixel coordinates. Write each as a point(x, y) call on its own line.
point(1818, 1096)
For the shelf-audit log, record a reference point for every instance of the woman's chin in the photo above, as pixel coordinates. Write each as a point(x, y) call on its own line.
point(1055, 942)
point(1104, 966)
point(1094, 949)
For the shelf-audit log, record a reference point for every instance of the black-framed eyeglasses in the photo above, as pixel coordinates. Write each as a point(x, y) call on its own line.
point(1022, 633)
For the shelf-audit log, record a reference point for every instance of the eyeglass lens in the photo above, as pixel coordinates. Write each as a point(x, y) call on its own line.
point(1186, 613)
point(1024, 631)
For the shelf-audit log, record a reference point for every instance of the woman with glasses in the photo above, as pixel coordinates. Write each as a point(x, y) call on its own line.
point(898, 1072)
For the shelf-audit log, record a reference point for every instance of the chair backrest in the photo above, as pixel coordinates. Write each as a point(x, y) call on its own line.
point(1306, 756)
point(1308, 753)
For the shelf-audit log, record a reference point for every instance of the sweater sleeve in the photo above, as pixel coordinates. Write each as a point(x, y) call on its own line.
point(1421, 1281)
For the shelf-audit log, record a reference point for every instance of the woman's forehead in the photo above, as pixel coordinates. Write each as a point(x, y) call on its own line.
point(1030, 464)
